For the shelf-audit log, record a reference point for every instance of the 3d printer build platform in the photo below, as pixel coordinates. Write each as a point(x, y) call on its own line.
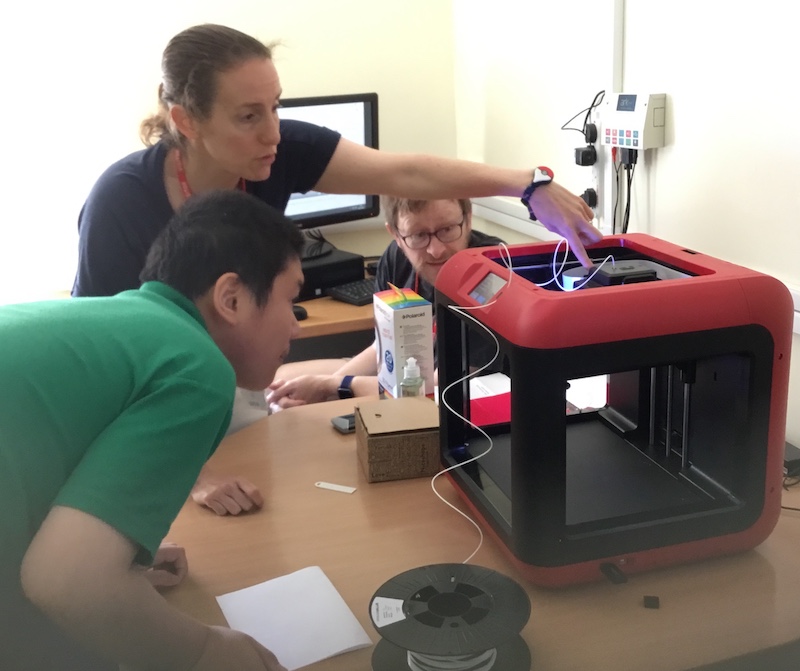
point(683, 461)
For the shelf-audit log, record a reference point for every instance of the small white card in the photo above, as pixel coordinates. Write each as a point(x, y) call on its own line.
point(301, 617)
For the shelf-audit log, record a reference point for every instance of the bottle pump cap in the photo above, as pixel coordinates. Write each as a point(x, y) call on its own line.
point(411, 369)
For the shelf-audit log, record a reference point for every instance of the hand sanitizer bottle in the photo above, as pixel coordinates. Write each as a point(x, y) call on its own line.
point(412, 383)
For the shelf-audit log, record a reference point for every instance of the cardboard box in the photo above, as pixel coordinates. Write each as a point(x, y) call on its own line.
point(398, 438)
point(403, 328)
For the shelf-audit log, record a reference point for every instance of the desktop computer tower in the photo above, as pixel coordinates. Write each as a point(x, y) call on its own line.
point(683, 461)
point(333, 268)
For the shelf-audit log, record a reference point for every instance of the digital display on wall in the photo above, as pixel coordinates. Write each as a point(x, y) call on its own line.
point(626, 102)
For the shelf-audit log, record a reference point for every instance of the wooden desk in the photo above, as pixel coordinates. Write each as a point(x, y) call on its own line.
point(327, 316)
point(332, 330)
point(709, 611)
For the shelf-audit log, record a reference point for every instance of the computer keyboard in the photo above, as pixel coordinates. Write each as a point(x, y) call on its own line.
point(358, 292)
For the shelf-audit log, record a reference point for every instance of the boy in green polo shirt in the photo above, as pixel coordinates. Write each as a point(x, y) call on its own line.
point(109, 407)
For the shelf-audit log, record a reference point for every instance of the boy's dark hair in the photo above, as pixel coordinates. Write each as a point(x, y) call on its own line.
point(223, 232)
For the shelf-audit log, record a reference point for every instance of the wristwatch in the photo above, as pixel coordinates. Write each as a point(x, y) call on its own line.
point(344, 389)
point(541, 176)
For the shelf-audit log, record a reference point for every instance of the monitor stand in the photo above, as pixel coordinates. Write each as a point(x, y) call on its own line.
point(315, 246)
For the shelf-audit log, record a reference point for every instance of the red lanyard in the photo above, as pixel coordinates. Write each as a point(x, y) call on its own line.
point(185, 188)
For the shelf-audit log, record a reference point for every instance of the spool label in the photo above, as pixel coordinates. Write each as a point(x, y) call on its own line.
point(386, 611)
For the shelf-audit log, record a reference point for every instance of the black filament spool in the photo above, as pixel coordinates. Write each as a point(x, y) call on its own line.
point(512, 655)
point(450, 610)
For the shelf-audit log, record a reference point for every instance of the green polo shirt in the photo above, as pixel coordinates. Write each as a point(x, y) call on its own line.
point(107, 405)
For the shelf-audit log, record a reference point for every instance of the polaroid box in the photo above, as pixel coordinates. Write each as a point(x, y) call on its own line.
point(403, 329)
point(398, 438)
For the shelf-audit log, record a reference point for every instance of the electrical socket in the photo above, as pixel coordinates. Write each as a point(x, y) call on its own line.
point(597, 185)
point(603, 180)
point(600, 183)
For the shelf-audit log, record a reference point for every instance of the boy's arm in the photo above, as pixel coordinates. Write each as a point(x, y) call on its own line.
point(226, 494)
point(79, 571)
point(317, 388)
point(364, 363)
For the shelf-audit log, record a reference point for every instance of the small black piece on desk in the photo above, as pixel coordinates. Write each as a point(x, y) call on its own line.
point(358, 292)
point(300, 313)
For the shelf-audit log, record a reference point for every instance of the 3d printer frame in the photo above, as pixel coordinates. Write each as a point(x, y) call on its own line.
point(685, 459)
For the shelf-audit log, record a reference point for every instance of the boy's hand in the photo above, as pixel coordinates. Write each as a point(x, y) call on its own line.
point(303, 389)
point(231, 649)
point(169, 566)
point(226, 495)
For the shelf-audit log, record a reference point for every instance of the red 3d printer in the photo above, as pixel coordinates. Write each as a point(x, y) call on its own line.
point(684, 459)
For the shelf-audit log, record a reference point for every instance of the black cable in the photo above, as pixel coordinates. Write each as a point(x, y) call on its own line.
point(315, 244)
point(588, 110)
point(627, 214)
point(577, 130)
point(598, 98)
point(630, 169)
point(617, 167)
point(315, 234)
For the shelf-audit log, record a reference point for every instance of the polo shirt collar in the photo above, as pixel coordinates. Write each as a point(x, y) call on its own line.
point(174, 296)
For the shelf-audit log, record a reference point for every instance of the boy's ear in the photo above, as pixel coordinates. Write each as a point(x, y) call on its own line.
point(226, 297)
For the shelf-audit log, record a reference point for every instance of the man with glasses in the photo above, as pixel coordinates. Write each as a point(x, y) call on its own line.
point(426, 234)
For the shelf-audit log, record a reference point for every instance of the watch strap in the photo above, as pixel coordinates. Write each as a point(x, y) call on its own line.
point(345, 390)
point(541, 176)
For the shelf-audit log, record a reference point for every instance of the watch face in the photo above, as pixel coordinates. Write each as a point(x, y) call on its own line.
point(542, 174)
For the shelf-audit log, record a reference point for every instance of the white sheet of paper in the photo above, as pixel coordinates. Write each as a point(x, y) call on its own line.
point(588, 392)
point(301, 617)
point(489, 385)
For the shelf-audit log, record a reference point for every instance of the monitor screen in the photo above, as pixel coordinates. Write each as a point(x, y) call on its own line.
point(355, 116)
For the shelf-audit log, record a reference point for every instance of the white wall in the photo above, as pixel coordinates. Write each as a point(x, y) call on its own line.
point(521, 72)
point(728, 181)
point(78, 77)
point(727, 184)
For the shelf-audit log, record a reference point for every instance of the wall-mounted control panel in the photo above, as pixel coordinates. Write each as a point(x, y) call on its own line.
point(633, 120)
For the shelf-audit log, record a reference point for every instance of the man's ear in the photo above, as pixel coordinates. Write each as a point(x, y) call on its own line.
point(183, 121)
point(392, 232)
point(226, 298)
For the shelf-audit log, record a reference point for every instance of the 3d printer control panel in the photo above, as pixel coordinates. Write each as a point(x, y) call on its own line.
point(487, 288)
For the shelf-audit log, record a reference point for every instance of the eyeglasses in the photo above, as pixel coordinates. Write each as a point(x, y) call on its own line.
point(422, 240)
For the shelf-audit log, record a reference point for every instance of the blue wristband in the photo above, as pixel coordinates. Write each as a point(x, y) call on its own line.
point(541, 176)
point(344, 389)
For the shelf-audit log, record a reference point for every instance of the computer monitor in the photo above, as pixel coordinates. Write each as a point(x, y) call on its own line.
point(355, 116)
